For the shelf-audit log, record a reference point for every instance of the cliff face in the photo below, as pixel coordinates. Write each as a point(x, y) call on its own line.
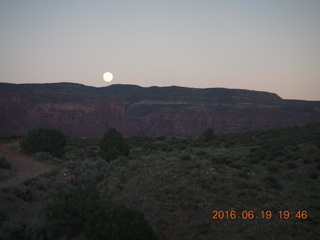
point(83, 118)
point(84, 111)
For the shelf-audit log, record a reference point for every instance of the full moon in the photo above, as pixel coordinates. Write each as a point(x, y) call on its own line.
point(107, 76)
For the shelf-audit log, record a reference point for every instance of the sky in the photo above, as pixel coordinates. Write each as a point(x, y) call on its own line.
point(264, 45)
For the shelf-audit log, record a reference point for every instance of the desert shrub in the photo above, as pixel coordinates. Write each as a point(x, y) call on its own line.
point(235, 165)
point(208, 134)
point(317, 159)
point(275, 151)
point(243, 174)
point(5, 189)
point(291, 165)
point(168, 149)
point(13, 229)
point(112, 154)
point(3, 216)
point(50, 173)
point(121, 161)
point(30, 181)
point(59, 185)
point(200, 153)
point(288, 176)
point(220, 159)
point(90, 175)
point(185, 157)
point(38, 229)
point(295, 156)
point(256, 155)
point(4, 163)
point(314, 175)
point(89, 171)
point(273, 183)
point(71, 164)
point(117, 222)
point(42, 156)
point(241, 184)
point(253, 159)
point(24, 193)
point(40, 186)
point(113, 145)
point(306, 160)
point(203, 228)
point(48, 140)
point(69, 209)
point(273, 168)
point(192, 165)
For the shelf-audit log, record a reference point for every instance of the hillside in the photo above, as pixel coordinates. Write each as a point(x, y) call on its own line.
point(85, 111)
point(179, 181)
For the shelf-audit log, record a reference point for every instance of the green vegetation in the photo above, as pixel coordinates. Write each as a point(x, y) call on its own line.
point(113, 145)
point(4, 163)
point(70, 209)
point(24, 193)
point(42, 156)
point(168, 187)
point(118, 222)
point(208, 134)
point(3, 216)
point(73, 209)
point(47, 140)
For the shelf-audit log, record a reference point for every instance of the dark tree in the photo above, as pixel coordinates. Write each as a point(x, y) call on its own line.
point(118, 222)
point(70, 209)
point(48, 140)
point(208, 134)
point(77, 209)
point(113, 145)
point(4, 163)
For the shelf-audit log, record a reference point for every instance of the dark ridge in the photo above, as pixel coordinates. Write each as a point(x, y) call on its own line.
point(66, 92)
point(86, 111)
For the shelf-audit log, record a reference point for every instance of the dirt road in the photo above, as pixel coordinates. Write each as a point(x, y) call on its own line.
point(23, 167)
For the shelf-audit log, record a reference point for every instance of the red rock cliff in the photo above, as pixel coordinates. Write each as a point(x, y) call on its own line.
point(88, 112)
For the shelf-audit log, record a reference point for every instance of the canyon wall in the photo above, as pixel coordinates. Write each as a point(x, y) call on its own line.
point(85, 111)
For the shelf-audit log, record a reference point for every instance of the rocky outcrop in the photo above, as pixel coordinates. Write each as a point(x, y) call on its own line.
point(84, 111)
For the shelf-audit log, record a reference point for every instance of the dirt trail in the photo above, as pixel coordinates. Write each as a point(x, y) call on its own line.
point(24, 167)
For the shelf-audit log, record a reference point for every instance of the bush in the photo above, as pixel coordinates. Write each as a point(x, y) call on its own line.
point(273, 183)
point(80, 208)
point(90, 171)
point(13, 229)
point(3, 216)
point(306, 160)
point(118, 222)
point(291, 165)
point(185, 157)
point(208, 134)
point(69, 210)
point(314, 175)
point(39, 228)
point(42, 156)
point(113, 145)
point(4, 163)
point(47, 140)
point(24, 193)
point(273, 168)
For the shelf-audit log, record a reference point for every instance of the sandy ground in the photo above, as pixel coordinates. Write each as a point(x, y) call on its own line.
point(23, 167)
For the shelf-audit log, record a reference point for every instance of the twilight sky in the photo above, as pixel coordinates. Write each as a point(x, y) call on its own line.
point(266, 45)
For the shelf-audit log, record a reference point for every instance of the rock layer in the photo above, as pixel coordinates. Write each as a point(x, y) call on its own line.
point(85, 111)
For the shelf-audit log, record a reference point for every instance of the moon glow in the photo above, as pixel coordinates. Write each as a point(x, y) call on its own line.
point(107, 76)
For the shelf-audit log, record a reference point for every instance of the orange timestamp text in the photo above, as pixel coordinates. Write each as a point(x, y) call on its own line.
point(250, 214)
